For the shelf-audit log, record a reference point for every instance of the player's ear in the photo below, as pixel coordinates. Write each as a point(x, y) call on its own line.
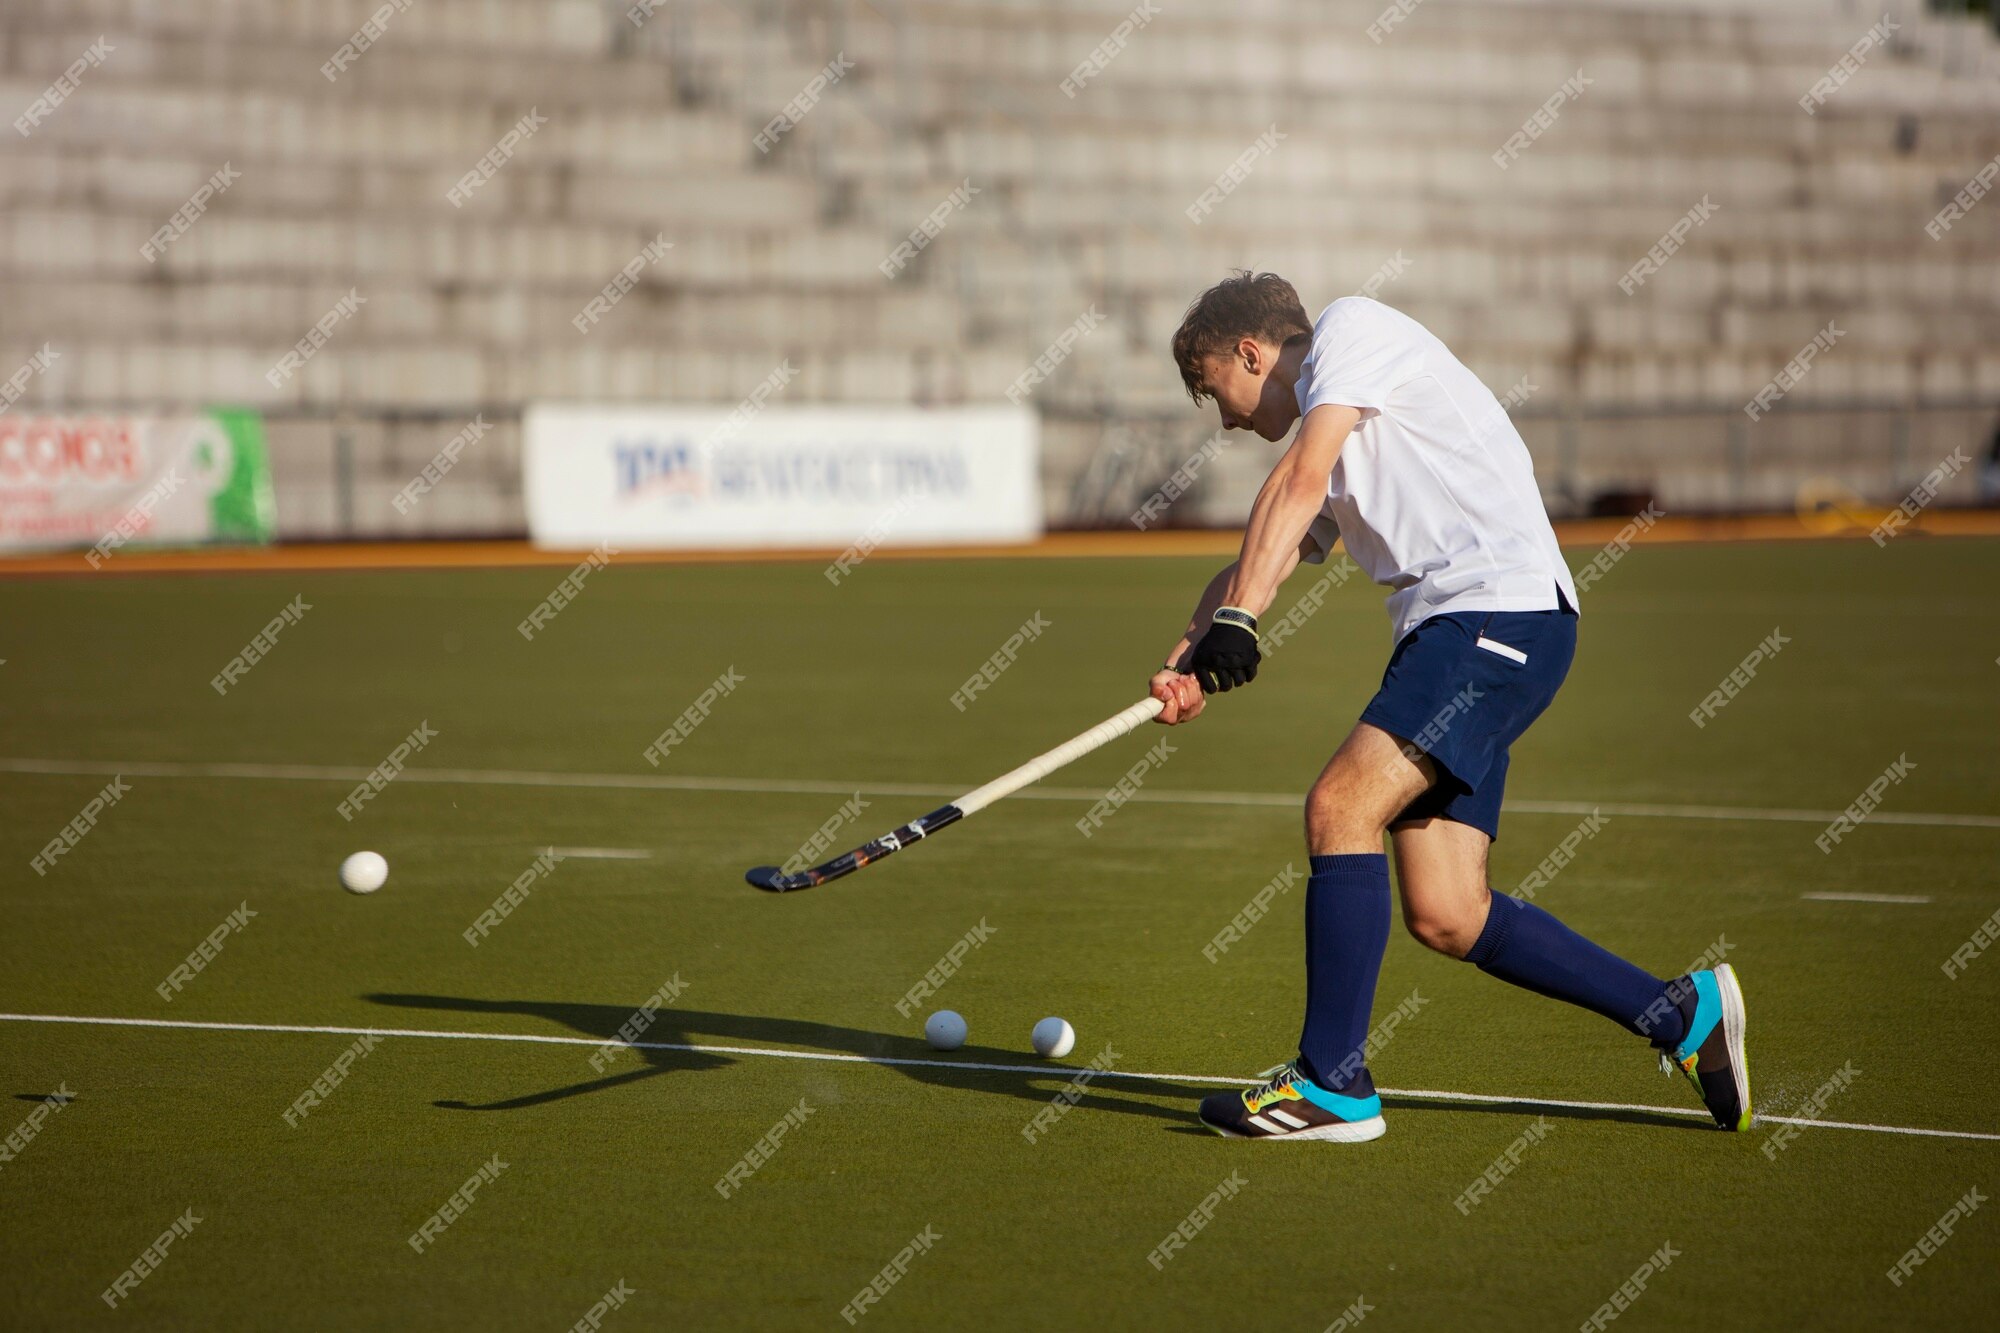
point(1251, 354)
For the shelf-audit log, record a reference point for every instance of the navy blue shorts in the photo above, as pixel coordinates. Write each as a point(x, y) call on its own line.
point(1462, 688)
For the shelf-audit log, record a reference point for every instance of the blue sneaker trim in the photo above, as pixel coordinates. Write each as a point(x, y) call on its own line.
point(1350, 1109)
point(1707, 1013)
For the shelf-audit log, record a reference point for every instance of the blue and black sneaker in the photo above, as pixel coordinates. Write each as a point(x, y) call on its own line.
point(1289, 1105)
point(1713, 1053)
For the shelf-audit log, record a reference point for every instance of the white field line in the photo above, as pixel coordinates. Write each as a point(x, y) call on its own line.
point(1866, 897)
point(1048, 1068)
point(491, 777)
point(600, 853)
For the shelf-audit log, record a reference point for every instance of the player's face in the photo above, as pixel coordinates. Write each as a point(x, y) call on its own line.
point(1246, 395)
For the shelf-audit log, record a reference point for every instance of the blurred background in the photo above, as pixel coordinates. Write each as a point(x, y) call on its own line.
point(362, 231)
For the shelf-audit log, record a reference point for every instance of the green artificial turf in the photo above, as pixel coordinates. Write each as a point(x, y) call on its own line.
point(610, 1171)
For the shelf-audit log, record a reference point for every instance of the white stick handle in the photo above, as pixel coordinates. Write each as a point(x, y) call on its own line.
point(1070, 750)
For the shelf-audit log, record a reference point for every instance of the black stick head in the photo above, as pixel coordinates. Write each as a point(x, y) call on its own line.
point(773, 880)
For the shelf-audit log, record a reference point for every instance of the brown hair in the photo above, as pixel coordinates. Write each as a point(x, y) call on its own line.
point(1244, 304)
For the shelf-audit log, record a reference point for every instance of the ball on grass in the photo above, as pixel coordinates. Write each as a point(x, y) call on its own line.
point(364, 872)
point(945, 1030)
point(1054, 1037)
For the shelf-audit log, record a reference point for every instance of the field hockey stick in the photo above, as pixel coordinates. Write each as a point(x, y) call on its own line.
point(777, 881)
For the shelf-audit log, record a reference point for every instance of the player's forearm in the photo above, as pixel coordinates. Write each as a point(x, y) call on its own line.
point(1285, 509)
point(1212, 596)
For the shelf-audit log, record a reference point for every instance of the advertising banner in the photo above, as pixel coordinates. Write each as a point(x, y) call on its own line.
point(103, 480)
point(695, 477)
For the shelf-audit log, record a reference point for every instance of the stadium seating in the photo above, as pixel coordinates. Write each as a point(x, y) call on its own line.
point(1385, 172)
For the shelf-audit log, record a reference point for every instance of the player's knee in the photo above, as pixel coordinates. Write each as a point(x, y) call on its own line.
point(1337, 822)
point(1449, 928)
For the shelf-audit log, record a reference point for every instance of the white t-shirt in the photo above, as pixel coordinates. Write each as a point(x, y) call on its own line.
point(1434, 492)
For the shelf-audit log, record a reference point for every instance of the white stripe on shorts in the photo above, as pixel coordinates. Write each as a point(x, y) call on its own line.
point(1493, 646)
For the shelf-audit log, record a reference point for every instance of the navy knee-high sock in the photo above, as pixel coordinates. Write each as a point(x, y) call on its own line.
point(1525, 945)
point(1347, 928)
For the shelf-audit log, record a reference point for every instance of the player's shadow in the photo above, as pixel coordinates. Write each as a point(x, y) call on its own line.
point(674, 1030)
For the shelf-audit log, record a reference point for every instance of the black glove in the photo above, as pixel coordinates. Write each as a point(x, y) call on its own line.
point(1227, 655)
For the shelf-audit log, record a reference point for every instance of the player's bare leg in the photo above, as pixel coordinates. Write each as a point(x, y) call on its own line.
point(1441, 870)
point(1369, 780)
